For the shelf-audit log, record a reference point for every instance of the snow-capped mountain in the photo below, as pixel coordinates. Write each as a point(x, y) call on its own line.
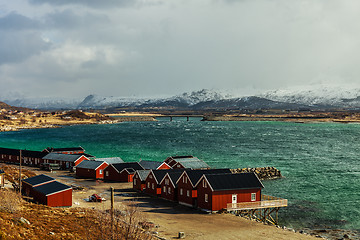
point(43, 103)
point(318, 95)
point(96, 101)
point(313, 97)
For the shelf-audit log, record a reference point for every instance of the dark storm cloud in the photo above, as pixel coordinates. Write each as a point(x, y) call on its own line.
point(15, 21)
point(17, 46)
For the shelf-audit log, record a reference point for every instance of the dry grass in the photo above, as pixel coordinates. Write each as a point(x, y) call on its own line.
point(65, 223)
point(12, 173)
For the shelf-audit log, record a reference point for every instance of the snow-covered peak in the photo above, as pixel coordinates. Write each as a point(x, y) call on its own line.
point(320, 94)
point(203, 95)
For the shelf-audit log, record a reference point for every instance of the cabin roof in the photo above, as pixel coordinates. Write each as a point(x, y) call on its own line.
point(147, 164)
point(39, 179)
point(90, 164)
point(24, 153)
point(195, 175)
point(70, 149)
point(193, 163)
point(51, 188)
point(174, 176)
point(110, 160)
point(143, 174)
point(221, 182)
point(62, 157)
point(160, 174)
point(85, 154)
point(129, 165)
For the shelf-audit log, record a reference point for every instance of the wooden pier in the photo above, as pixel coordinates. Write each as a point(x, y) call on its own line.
point(265, 210)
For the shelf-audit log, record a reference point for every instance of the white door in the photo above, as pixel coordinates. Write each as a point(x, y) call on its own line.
point(234, 200)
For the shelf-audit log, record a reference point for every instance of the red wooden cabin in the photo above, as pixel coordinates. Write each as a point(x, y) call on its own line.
point(68, 150)
point(91, 169)
point(29, 184)
point(66, 161)
point(169, 187)
point(154, 178)
point(153, 165)
point(53, 194)
point(187, 193)
point(139, 179)
point(121, 172)
point(215, 191)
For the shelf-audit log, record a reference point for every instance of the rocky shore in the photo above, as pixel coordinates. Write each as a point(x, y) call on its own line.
point(263, 173)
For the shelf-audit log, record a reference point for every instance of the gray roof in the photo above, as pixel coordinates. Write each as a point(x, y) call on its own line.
point(110, 160)
point(90, 164)
point(39, 179)
point(52, 187)
point(62, 157)
point(150, 164)
point(143, 174)
point(222, 182)
point(193, 163)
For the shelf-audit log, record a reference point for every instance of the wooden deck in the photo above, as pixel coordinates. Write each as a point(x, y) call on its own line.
point(260, 210)
point(266, 202)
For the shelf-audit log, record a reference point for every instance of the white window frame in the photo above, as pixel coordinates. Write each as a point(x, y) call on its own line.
point(253, 197)
point(206, 198)
point(164, 189)
point(100, 171)
point(181, 191)
point(188, 193)
point(152, 185)
point(148, 185)
point(107, 173)
point(169, 190)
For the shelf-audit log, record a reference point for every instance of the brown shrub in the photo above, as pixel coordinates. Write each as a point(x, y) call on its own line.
point(10, 201)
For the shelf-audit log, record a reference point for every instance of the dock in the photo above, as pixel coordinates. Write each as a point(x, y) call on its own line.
point(265, 210)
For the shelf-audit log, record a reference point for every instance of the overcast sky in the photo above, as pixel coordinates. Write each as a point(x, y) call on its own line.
point(142, 48)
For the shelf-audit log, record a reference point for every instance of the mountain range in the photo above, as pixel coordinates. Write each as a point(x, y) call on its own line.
point(314, 97)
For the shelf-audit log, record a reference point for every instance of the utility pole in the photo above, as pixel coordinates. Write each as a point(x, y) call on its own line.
point(112, 212)
point(20, 171)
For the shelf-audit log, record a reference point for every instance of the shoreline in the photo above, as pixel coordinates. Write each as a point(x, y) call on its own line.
point(12, 127)
point(278, 119)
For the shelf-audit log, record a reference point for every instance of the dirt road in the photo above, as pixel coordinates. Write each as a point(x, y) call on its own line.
point(172, 218)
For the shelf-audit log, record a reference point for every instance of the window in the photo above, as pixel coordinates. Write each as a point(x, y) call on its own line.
point(134, 181)
point(204, 184)
point(150, 176)
point(181, 191)
point(166, 181)
point(152, 185)
point(148, 186)
point(107, 173)
point(169, 190)
point(206, 198)
point(253, 197)
point(101, 171)
point(188, 193)
point(164, 189)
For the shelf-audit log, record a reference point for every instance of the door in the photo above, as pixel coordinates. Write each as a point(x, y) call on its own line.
point(234, 200)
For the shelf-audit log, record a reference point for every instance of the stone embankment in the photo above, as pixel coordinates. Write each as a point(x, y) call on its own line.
point(264, 173)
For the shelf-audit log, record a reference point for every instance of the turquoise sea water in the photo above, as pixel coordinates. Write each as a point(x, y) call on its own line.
point(320, 161)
